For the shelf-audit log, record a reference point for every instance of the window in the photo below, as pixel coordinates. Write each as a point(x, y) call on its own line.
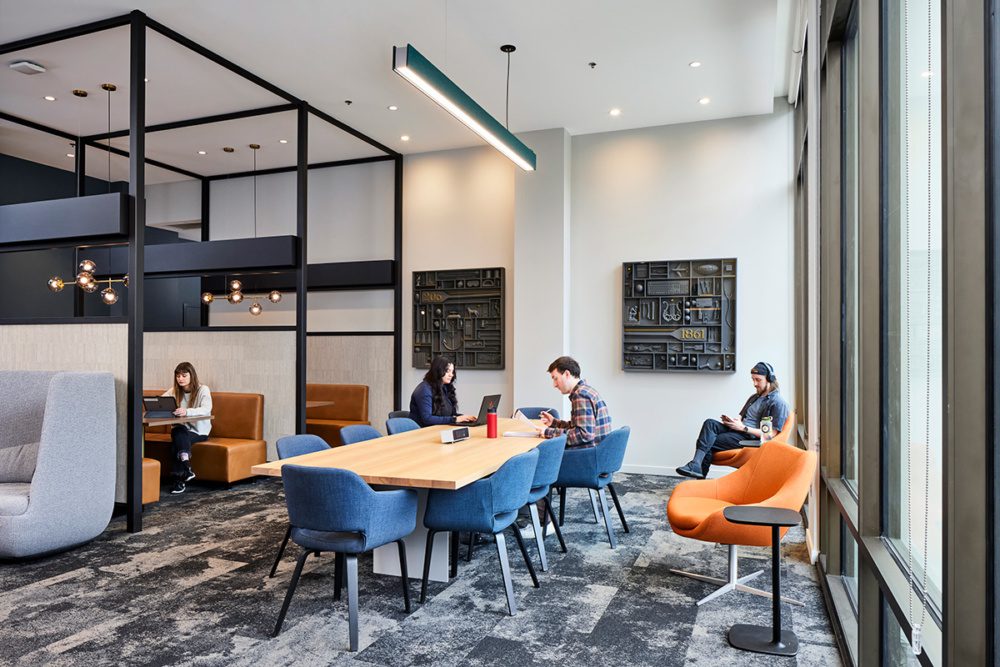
point(912, 284)
point(897, 649)
point(850, 297)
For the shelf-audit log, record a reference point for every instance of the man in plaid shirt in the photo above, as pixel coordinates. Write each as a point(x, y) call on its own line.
point(590, 420)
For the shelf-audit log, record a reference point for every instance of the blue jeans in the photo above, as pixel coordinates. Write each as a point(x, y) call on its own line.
point(715, 437)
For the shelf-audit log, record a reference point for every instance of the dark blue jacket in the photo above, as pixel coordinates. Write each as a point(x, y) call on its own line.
point(422, 407)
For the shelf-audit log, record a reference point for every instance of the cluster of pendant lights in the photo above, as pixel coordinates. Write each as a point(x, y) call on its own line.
point(86, 281)
point(236, 296)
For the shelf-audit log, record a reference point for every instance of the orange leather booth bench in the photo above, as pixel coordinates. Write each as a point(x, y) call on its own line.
point(350, 406)
point(235, 444)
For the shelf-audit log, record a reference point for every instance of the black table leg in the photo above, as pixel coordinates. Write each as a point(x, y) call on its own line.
point(773, 640)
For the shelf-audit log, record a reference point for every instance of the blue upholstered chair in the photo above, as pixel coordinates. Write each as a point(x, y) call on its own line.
point(396, 425)
point(487, 506)
point(536, 413)
point(358, 433)
point(289, 446)
point(591, 468)
point(335, 510)
point(399, 413)
point(550, 456)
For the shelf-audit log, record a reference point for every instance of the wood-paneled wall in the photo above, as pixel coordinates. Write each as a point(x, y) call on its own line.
point(74, 347)
point(257, 362)
point(355, 360)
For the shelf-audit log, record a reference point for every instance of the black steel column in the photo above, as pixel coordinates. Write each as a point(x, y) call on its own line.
point(206, 194)
point(137, 228)
point(397, 300)
point(80, 164)
point(301, 287)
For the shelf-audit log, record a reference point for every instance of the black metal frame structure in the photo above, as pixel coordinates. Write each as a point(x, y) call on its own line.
point(138, 24)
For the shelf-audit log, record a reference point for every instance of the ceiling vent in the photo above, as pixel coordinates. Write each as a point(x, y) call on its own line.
point(27, 67)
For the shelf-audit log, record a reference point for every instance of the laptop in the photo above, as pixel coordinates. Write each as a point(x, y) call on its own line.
point(159, 407)
point(488, 402)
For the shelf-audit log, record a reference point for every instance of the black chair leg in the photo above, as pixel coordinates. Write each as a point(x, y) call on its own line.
point(472, 541)
point(453, 559)
point(281, 551)
point(403, 574)
point(524, 554)
point(291, 591)
point(352, 599)
point(505, 572)
point(338, 575)
point(427, 565)
point(555, 527)
point(618, 506)
point(562, 505)
point(607, 519)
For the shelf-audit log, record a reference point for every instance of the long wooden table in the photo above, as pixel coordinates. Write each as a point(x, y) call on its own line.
point(166, 421)
point(418, 459)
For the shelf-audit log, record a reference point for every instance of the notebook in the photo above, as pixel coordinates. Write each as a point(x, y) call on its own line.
point(533, 433)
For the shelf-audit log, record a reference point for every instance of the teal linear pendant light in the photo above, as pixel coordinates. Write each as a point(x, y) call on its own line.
point(428, 79)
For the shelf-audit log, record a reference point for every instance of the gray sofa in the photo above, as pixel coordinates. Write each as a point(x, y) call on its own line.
point(57, 459)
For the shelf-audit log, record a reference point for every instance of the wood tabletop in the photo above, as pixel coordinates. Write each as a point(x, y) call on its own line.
point(166, 421)
point(418, 459)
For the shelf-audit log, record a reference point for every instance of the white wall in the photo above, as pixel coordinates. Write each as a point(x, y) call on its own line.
point(541, 277)
point(458, 212)
point(699, 190)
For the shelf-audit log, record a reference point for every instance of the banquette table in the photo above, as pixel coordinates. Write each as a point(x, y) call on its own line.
point(418, 460)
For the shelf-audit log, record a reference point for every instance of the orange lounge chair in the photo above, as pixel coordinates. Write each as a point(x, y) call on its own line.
point(737, 458)
point(778, 475)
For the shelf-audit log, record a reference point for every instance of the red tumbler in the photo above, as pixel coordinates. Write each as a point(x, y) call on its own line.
point(491, 423)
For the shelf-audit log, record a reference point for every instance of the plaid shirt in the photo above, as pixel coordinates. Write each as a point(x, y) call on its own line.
point(590, 420)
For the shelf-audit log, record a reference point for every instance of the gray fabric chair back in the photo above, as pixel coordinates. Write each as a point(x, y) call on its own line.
point(22, 406)
point(72, 492)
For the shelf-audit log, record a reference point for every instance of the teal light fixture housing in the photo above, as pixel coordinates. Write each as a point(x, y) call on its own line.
point(428, 79)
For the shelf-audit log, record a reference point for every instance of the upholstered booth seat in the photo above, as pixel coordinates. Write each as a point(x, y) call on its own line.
point(234, 446)
point(150, 481)
point(348, 406)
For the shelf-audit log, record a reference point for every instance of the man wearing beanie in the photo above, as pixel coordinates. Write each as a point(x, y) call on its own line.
point(717, 436)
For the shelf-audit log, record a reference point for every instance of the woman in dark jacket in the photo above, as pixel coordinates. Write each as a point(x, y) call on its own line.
point(434, 400)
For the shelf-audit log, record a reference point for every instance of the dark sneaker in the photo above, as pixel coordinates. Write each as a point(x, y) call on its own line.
point(188, 474)
point(692, 469)
point(179, 487)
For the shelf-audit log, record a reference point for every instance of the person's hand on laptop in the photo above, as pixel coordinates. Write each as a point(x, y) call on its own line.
point(180, 412)
point(463, 419)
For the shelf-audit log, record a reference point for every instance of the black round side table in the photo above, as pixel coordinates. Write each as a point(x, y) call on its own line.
point(756, 638)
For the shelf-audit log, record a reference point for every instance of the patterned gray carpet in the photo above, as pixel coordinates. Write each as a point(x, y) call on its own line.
point(192, 589)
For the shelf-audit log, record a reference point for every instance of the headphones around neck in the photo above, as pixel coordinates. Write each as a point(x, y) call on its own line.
point(771, 377)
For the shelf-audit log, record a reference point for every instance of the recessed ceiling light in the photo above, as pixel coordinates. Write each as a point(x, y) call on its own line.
point(392, 107)
point(146, 79)
point(202, 152)
point(615, 112)
point(50, 98)
point(405, 137)
point(927, 74)
point(694, 63)
point(282, 141)
point(704, 100)
point(70, 155)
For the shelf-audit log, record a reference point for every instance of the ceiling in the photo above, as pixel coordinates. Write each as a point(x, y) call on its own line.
point(327, 52)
